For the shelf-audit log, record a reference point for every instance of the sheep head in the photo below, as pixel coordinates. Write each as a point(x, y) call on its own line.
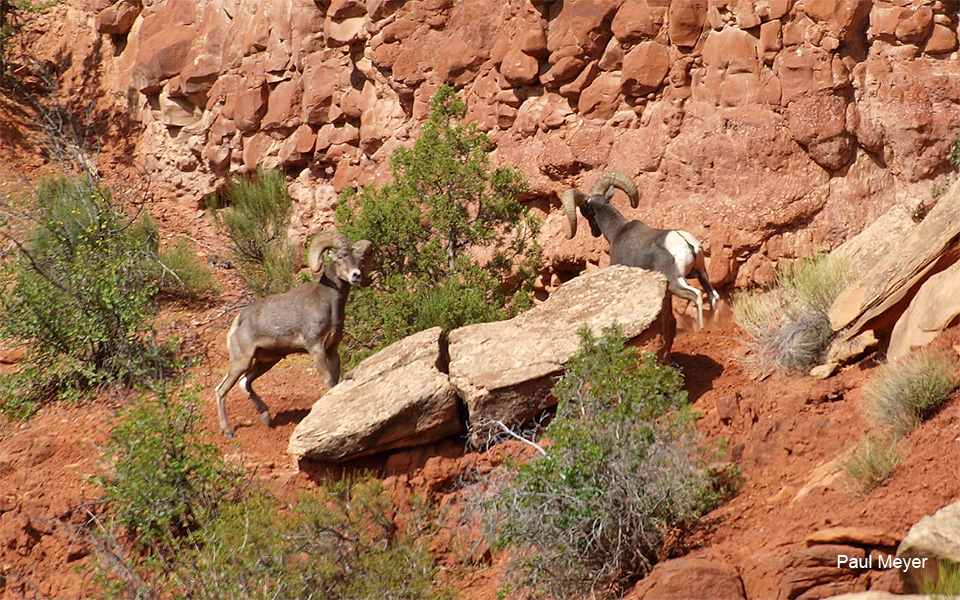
point(601, 193)
point(351, 262)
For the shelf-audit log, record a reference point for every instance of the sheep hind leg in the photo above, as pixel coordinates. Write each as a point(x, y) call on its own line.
point(681, 288)
point(237, 369)
point(246, 382)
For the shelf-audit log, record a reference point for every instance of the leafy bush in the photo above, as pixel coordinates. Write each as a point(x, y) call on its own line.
point(789, 325)
point(444, 208)
point(256, 220)
point(79, 294)
point(903, 393)
point(871, 462)
point(163, 479)
point(618, 477)
point(344, 541)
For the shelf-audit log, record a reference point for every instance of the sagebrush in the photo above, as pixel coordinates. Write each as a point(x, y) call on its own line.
point(80, 290)
point(871, 462)
point(163, 478)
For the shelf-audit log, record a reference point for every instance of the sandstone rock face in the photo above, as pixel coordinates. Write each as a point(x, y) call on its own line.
point(683, 578)
point(504, 370)
point(768, 129)
point(935, 537)
point(934, 308)
point(396, 398)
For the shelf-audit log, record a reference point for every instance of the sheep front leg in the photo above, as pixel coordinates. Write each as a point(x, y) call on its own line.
point(328, 363)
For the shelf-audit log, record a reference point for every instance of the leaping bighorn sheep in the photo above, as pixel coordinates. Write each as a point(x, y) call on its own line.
point(676, 254)
point(306, 319)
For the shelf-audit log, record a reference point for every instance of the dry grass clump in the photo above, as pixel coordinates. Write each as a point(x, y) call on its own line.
point(871, 462)
point(903, 393)
point(788, 324)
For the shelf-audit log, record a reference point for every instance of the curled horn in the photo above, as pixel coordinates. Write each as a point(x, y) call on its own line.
point(617, 180)
point(572, 199)
point(320, 243)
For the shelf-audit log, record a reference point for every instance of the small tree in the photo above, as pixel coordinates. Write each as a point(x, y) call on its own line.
point(444, 211)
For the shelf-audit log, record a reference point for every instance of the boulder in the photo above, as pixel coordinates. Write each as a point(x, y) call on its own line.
point(935, 307)
point(505, 370)
point(818, 123)
point(685, 22)
point(932, 539)
point(814, 572)
point(644, 68)
point(688, 577)
point(845, 18)
point(119, 18)
point(888, 281)
point(876, 241)
point(161, 57)
point(397, 398)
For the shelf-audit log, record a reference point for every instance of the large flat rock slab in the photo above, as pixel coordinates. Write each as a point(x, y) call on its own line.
point(397, 398)
point(891, 278)
point(505, 370)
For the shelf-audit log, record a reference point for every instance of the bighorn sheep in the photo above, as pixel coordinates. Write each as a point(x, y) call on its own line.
point(306, 319)
point(676, 254)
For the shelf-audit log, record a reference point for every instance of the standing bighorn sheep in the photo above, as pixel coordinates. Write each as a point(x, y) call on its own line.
point(676, 254)
point(306, 319)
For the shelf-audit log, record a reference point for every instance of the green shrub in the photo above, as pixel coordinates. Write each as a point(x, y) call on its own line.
point(903, 393)
point(618, 477)
point(79, 294)
point(789, 325)
point(342, 541)
point(255, 213)
point(164, 480)
point(182, 275)
point(445, 207)
point(871, 462)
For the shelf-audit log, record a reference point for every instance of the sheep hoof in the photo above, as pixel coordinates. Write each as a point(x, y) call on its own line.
point(265, 417)
point(228, 433)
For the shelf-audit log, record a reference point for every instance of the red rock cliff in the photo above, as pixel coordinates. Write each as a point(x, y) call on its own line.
point(768, 128)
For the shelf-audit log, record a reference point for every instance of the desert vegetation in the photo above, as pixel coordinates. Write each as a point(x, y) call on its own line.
point(897, 397)
point(82, 277)
point(255, 212)
point(618, 478)
point(177, 519)
point(906, 392)
point(788, 324)
point(445, 208)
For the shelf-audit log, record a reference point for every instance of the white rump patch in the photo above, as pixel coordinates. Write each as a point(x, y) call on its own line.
point(683, 247)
